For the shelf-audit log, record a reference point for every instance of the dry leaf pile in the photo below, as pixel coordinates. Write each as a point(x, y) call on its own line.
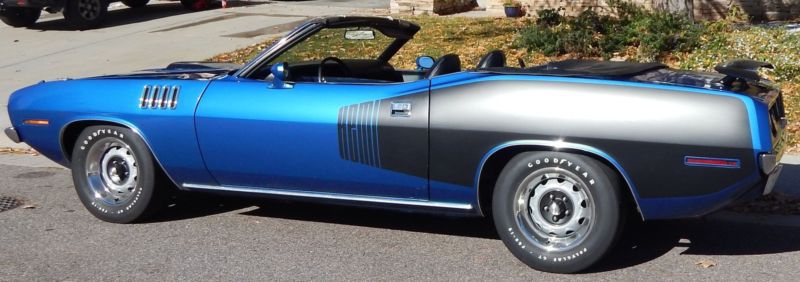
point(19, 151)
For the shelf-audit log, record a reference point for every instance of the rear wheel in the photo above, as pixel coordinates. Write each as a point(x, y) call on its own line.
point(85, 14)
point(135, 3)
point(557, 212)
point(115, 175)
point(19, 16)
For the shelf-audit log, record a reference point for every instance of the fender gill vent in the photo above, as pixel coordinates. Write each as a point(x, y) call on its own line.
point(159, 97)
point(7, 203)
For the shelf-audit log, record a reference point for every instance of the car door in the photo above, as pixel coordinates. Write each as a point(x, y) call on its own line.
point(359, 139)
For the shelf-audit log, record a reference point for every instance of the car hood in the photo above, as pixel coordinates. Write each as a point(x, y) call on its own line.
point(180, 70)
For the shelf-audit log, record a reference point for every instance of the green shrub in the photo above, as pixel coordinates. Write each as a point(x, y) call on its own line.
point(549, 17)
point(590, 34)
point(590, 20)
point(544, 40)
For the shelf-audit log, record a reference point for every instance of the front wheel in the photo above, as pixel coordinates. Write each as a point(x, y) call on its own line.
point(557, 212)
point(115, 175)
point(85, 14)
point(20, 17)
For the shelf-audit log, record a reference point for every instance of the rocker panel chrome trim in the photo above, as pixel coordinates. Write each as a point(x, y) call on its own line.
point(331, 196)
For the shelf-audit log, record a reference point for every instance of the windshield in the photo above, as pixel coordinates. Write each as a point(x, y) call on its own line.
point(333, 42)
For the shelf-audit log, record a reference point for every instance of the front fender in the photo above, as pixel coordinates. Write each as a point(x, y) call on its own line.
point(169, 132)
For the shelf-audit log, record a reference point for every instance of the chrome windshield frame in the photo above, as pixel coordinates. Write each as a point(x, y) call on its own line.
point(295, 36)
point(402, 31)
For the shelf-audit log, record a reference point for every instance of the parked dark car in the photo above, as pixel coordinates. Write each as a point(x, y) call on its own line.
point(80, 14)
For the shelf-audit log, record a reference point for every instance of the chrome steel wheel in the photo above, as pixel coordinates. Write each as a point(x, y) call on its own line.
point(553, 209)
point(90, 9)
point(557, 211)
point(111, 171)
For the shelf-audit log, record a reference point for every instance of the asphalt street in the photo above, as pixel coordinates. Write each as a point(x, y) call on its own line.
point(210, 237)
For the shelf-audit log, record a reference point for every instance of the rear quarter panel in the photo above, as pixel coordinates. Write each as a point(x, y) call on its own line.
point(646, 130)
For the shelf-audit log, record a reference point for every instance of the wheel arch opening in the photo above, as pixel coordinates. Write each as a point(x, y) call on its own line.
point(72, 131)
point(491, 169)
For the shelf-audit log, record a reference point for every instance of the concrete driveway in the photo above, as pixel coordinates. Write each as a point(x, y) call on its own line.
point(134, 39)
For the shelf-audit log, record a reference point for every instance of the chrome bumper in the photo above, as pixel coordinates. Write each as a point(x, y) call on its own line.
point(12, 134)
point(771, 163)
point(772, 178)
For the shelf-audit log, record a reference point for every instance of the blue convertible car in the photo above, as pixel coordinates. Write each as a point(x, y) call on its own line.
point(556, 154)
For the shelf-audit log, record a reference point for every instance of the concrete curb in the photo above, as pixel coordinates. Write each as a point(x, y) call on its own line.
point(791, 159)
point(761, 219)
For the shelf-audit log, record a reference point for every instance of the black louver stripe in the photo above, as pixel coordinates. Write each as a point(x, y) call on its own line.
point(358, 133)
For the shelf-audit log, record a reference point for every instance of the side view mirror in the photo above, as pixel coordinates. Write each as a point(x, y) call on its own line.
point(425, 62)
point(280, 72)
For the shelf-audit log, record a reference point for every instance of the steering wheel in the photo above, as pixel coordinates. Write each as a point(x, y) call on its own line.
point(320, 77)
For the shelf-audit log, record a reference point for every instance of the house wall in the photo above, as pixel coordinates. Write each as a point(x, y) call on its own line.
point(439, 7)
point(758, 10)
point(769, 10)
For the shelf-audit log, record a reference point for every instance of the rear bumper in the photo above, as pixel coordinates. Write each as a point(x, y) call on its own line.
point(770, 163)
point(764, 186)
point(12, 134)
point(772, 178)
point(771, 168)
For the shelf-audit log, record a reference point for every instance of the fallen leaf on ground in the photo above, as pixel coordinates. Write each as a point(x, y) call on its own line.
point(21, 151)
point(706, 263)
point(28, 207)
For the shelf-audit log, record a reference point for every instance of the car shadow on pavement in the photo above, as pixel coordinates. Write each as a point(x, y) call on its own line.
point(184, 206)
point(194, 205)
point(126, 16)
point(644, 242)
point(639, 243)
point(378, 218)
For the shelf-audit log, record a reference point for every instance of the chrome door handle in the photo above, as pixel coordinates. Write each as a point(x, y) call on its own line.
point(401, 109)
